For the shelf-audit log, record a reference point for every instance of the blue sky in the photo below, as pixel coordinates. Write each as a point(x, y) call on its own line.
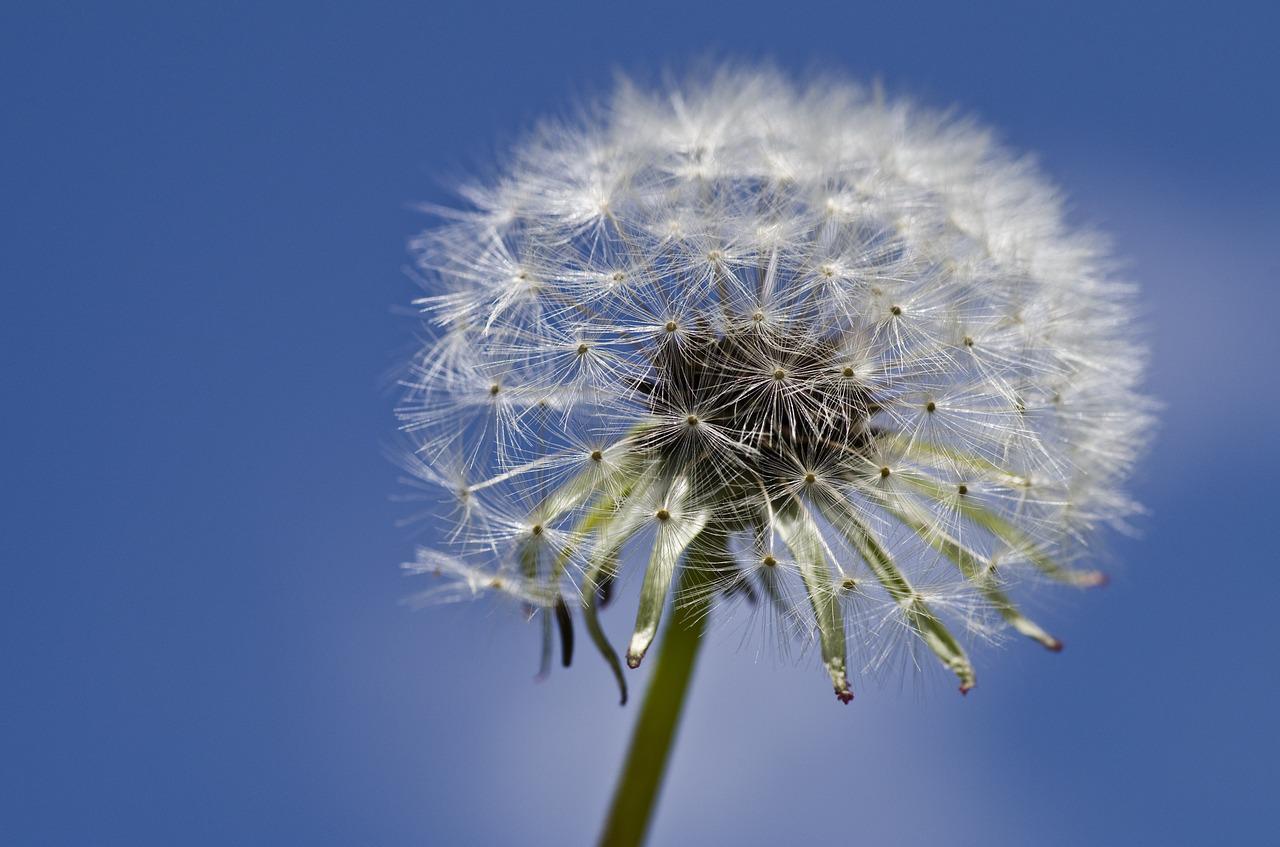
point(205, 213)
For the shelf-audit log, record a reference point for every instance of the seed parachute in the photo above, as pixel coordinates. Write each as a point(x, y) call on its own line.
point(832, 355)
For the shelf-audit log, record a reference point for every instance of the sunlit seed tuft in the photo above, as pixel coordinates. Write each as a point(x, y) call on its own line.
point(606, 295)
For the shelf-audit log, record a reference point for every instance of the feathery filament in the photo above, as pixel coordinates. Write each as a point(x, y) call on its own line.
point(851, 340)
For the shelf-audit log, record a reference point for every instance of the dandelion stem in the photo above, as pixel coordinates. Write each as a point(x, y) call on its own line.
point(651, 740)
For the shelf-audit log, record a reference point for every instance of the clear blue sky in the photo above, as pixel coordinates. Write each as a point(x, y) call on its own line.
point(205, 210)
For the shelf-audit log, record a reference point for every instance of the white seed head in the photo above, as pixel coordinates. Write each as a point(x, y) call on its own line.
point(850, 340)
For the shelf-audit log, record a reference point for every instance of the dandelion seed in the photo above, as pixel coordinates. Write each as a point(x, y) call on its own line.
point(846, 336)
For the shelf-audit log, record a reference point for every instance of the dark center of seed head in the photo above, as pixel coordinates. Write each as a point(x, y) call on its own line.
point(813, 421)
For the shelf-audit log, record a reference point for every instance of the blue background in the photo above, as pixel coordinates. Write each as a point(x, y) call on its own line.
point(205, 208)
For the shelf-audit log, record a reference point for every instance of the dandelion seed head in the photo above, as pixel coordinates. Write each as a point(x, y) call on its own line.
point(850, 339)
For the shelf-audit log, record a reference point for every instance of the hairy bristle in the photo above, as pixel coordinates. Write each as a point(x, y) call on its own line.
point(846, 339)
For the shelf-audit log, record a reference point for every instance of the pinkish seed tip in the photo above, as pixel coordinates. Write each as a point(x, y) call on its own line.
point(1095, 579)
point(1056, 646)
point(633, 662)
point(965, 688)
point(845, 696)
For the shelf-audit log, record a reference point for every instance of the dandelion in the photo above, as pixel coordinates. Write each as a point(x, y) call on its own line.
point(835, 356)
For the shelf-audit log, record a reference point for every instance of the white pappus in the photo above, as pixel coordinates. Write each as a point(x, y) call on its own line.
point(844, 349)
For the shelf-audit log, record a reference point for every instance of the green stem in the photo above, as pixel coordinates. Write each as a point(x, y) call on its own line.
point(655, 729)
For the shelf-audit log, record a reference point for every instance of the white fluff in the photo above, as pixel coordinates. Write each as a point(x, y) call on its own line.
point(911, 353)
